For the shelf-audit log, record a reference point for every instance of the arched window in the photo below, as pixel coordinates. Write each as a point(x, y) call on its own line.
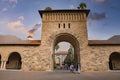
point(71, 44)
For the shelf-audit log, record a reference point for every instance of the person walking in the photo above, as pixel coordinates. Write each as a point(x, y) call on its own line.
point(79, 68)
point(72, 68)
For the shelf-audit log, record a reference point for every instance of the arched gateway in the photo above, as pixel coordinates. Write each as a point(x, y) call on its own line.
point(66, 37)
point(64, 25)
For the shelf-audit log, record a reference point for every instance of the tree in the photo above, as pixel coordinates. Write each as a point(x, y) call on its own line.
point(67, 60)
point(70, 56)
point(48, 8)
point(82, 5)
point(71, 53)
point(57, 47)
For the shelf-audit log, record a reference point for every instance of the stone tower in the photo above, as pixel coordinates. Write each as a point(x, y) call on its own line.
point(63, 25)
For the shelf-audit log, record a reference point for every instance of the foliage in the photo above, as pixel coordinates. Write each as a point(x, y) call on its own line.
point(70, 56)
point(48, 8)
point(57, 47)
point(82, 5)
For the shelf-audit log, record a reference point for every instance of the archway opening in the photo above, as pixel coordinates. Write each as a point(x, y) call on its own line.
point(14, 61)
point(64, 55)
point(114, 61)
point(69, 55)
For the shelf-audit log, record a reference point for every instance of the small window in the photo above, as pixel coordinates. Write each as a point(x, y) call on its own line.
point(68, 25)
point(63, 25)
point(58, 25)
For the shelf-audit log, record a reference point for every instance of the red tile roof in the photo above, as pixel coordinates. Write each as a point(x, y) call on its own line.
point(61, 53)
point(114, 40)
point(29, 36)
point(13, 40)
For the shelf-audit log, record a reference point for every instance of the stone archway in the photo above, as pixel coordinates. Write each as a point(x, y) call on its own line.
point(67, 37)
point(114, 61)
point(14, 61)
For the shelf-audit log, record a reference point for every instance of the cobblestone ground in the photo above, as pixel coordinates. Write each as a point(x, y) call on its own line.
point(58, 75)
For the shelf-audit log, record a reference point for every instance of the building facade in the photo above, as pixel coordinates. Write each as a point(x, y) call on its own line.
point(59, 59)
point(57, 26)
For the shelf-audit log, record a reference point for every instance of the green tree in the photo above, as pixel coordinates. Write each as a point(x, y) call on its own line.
point(48, 8)
point(57, 47)
point(70, 56)
point(71, 53)
point(82, 5)
point(67, 60)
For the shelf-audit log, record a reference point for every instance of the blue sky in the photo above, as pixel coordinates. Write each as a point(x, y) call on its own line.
point(18, 17)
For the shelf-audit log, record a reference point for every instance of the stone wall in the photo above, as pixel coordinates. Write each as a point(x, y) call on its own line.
point(96, 58)
point(92, 58)
point(32, 57)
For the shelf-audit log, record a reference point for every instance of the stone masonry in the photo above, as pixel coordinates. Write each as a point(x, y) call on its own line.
point(57, 26)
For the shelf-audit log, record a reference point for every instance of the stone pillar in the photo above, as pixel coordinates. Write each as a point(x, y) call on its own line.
point(2, 63)
point(107, 66)
point(60, 60)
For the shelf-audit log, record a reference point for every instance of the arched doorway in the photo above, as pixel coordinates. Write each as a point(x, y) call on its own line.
point(114, 61)
point(14, 61)
point(65, 37)
point(64, 55)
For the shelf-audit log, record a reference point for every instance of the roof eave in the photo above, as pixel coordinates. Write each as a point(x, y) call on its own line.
point(64, 10)
point(24, 43)
point(102, 43)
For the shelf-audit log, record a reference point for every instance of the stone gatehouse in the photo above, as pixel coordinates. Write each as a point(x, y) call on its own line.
point(57, 26)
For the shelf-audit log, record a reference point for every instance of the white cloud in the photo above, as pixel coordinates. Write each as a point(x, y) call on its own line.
point(15, 23)
point(64, 46)
point(4, 9)
point(13, 1)
point(17, 26)
point(22, 30)
point(21, 17)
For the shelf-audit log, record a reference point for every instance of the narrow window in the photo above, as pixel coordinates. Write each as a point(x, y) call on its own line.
point(63, 25)
point(68, 25)
point(58, 25)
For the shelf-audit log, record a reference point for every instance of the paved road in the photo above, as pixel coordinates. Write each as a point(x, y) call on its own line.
point(58, 75)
